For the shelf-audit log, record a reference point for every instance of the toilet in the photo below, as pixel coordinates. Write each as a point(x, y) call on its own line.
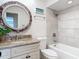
point(47, 53)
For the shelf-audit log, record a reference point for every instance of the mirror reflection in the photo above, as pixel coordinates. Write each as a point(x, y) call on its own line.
point(16, 17)
point(12, 19)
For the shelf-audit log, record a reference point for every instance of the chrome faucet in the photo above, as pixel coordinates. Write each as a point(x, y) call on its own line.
point(54, 36)
point(17, 37)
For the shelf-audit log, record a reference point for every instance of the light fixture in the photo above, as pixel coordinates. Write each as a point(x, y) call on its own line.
point(69, 2)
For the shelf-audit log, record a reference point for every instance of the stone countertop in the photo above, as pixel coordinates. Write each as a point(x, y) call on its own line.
point(16, 43)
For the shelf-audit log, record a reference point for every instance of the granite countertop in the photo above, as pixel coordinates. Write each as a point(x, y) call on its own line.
point(16, 43)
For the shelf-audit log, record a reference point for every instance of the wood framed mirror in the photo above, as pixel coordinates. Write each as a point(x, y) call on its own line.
point(16, 16)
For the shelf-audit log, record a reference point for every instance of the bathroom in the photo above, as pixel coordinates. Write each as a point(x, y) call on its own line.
point(50, 29)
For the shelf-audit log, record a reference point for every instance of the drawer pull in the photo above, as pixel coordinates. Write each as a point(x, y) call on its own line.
point(0, 54)
point(28, 56)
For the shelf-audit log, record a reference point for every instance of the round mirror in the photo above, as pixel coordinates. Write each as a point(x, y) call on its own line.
point(16, 16)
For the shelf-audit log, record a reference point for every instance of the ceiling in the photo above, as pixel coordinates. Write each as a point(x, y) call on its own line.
point(63, 4)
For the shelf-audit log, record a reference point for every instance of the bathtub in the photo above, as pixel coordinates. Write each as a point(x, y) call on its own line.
point(65, 51)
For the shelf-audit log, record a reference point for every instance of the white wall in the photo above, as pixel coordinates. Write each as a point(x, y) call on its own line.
point(68, 26)
point(52, 25)
point(32, 4)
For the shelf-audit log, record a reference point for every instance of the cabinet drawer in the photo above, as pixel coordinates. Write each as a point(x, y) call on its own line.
point(24, 49)
point(33, 55)
point(5, 53)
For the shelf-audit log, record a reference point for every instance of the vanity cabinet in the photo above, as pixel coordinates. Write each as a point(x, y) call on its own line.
point(26, 52)
point(30, 51)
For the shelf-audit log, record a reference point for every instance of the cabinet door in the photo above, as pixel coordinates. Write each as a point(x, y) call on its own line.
point(4, 58)
point(5, 54)
point(33, 55)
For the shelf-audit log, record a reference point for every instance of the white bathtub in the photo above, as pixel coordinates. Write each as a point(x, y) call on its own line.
point(65, 51)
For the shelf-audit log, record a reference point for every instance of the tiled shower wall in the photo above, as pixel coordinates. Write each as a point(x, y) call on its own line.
point(52, 25)
point(68, 26)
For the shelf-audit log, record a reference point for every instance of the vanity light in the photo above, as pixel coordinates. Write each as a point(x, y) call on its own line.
point(69, 2)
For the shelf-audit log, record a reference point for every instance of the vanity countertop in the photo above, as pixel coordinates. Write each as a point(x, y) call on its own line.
point(18, 43)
